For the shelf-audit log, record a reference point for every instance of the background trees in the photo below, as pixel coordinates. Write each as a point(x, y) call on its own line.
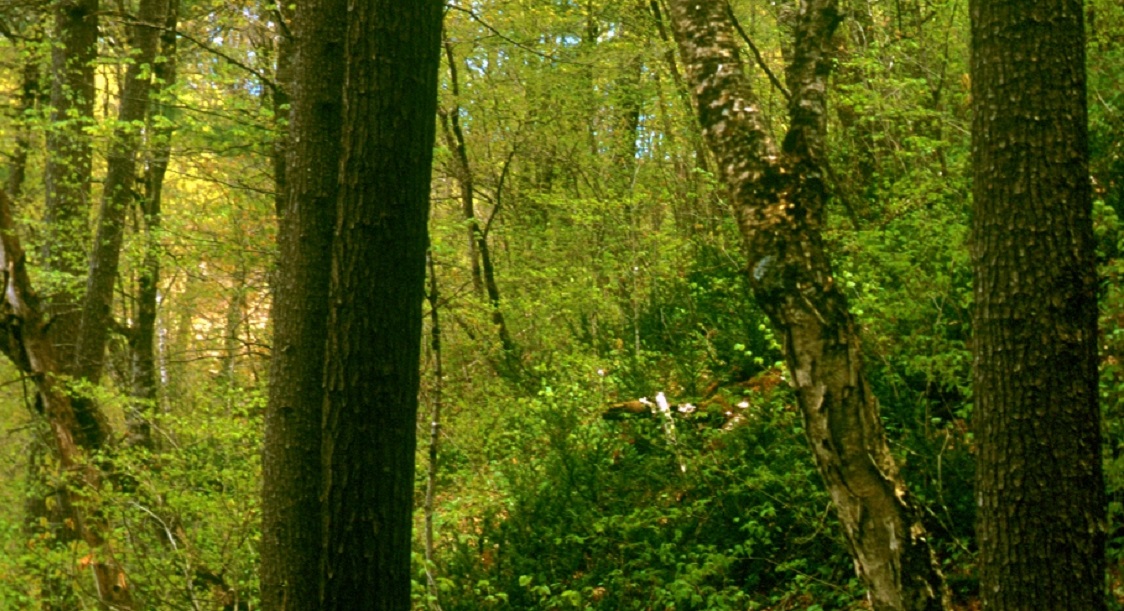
point(619, 274)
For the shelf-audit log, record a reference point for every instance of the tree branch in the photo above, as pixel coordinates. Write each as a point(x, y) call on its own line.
point(757, 54)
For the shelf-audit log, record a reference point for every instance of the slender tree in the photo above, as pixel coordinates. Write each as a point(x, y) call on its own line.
point(67, 174)
point(779, 195)
point(117, 197)
point(142, 340)
point(377, 285)
point(291, 520)
point(1040, 488)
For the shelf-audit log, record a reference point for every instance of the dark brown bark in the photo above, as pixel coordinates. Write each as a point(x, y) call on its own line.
point(143, 338)
point(291, 462)
point(377, 286)
point(779, 198)
point(1041, 521)
point(119, 194)
point(281, 99)
point(68, 167)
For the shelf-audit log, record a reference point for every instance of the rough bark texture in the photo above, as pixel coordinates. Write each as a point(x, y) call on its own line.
point(1041, 496)
point(121, 162)
point(779, 196)
point(377, 285)
point(291, 463)
point(68, 166)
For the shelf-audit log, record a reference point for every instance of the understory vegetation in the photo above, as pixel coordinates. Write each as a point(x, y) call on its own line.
point(611, 272)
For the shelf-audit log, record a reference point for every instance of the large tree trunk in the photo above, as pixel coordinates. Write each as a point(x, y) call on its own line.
point(1041, 523)
point(779, 197)
point(291, 462)
point(377, 285)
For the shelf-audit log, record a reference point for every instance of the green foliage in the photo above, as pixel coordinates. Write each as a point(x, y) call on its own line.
point(619, 515)
point(182, 521)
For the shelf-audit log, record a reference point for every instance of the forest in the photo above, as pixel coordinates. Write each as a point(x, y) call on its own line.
point(562, 304)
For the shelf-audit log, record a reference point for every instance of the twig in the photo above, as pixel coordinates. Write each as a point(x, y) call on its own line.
point(508, 39)
point(757, 54)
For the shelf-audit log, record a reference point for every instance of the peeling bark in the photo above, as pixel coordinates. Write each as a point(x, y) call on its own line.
point(778, 195)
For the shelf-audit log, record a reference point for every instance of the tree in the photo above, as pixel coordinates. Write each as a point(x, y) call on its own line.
point(779, 198)
point(375, 297)
point(68, 165)
point(339, 457)
point(1040, 487)
point(291, 533)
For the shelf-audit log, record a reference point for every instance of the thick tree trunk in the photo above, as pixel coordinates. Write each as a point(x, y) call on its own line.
point(1041, 522)
point(779, 196)
point(291, 462)
point(377, 286)
point(68, 167)
point(121, 161)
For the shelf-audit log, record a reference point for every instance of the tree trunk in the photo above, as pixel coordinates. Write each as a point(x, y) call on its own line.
point(291, 462)
point(1040, 489)
point(26, 343)
point(779, 197)
point(479, 252)
point(68, 167)
point(29, 91)
point(143, 339)
point(433, 297)
point(121, 161)
point(377, 286)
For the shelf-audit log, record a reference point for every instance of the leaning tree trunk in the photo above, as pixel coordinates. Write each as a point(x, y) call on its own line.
point(1041, 523)
point(377, 286)
point(24, 340)
point(779, 197)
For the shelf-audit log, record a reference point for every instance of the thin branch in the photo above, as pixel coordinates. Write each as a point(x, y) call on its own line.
point(487, 26)
point(757, 54)
point(268, 82)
